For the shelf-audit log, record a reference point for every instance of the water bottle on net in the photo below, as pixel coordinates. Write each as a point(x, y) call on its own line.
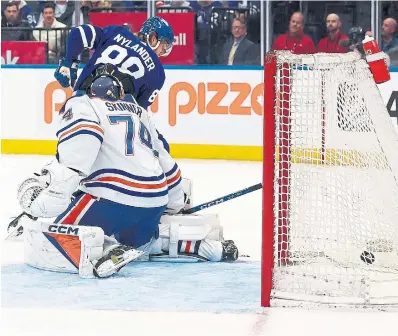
point(376, 60)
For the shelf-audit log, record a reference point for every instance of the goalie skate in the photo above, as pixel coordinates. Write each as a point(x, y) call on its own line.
point(229, 251)
point(114, 260)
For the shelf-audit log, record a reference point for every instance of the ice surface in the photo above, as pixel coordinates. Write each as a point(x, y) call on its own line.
point(165, 299)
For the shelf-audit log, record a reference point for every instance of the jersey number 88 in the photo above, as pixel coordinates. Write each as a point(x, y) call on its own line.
point(116, 55)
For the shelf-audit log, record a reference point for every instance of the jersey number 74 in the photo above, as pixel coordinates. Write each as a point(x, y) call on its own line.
point(143, 133)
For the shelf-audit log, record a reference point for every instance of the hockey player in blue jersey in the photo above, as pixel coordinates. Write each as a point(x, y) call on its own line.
point(137, 57)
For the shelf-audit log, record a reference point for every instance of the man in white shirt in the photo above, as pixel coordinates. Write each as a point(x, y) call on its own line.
point(52, 37)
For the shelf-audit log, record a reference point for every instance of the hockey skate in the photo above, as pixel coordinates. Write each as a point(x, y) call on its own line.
point(114, 260)
point(229, 251)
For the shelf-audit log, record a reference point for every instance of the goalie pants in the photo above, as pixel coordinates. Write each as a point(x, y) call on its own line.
point(142, 223)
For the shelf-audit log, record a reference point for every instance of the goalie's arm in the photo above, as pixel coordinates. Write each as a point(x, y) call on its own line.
point(171, 171)
point(80, 135)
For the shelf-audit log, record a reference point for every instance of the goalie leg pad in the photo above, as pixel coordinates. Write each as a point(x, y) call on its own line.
point(62, 248)
point(191, 227)
point(188, 251)
point(189, 238)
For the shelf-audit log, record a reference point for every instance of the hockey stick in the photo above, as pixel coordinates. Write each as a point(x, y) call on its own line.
point(223, 198)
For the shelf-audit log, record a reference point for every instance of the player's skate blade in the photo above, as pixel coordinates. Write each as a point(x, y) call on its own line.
point(118, 257)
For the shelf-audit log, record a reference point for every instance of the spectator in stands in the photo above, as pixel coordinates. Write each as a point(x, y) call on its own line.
point(54, 38)
point(389, 43)
point(25, 13)
point(331, 43)
point(295, 40)
point(239, 50)
point(64, 11)
point(11, 19)
point(203, 10)
point(388, 39)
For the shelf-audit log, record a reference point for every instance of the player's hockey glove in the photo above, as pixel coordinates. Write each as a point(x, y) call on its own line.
point(66, 73)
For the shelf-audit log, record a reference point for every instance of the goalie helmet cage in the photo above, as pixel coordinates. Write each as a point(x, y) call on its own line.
point(330, 192)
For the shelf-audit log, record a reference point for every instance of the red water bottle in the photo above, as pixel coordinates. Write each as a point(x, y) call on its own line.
point(376, 61)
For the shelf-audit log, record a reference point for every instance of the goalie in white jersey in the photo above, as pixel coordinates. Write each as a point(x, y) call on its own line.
point(108, 149)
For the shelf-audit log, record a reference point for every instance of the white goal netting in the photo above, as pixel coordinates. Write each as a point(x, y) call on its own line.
point(335, 184)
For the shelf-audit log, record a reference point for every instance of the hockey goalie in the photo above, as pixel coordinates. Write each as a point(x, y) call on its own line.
point(115, 194)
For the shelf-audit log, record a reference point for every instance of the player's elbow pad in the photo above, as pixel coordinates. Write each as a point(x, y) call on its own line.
point(79, 38)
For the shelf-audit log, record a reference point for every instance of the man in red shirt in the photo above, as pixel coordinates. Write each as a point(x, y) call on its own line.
point(331, 43)
point(295, 40)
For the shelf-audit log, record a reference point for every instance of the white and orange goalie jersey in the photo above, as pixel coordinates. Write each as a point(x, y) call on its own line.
point(116, 146)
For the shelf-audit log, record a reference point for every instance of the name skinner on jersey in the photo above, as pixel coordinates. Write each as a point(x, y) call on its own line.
point(133, 108)
point(150, 65)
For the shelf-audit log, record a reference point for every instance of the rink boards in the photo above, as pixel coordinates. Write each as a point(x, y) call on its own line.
point(204, 112)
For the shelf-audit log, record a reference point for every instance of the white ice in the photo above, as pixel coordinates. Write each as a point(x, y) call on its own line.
point(149, 299)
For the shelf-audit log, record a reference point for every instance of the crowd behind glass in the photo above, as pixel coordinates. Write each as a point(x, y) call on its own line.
point(226, 32)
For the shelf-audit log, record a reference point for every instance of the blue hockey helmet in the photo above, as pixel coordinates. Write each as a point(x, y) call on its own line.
point(107, 87)
point(162, 30)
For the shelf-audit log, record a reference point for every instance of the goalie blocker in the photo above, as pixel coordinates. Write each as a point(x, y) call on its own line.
point(182, 238)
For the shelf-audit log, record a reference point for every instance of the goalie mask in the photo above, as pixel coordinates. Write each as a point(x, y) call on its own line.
point(107, 87)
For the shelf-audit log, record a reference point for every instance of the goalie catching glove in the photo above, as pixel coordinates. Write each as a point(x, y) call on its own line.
point(48, 194)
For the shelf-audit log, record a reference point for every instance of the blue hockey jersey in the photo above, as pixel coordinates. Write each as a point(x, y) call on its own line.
point(118, 46)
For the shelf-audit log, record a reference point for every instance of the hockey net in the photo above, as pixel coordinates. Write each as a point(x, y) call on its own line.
point(330, 202)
